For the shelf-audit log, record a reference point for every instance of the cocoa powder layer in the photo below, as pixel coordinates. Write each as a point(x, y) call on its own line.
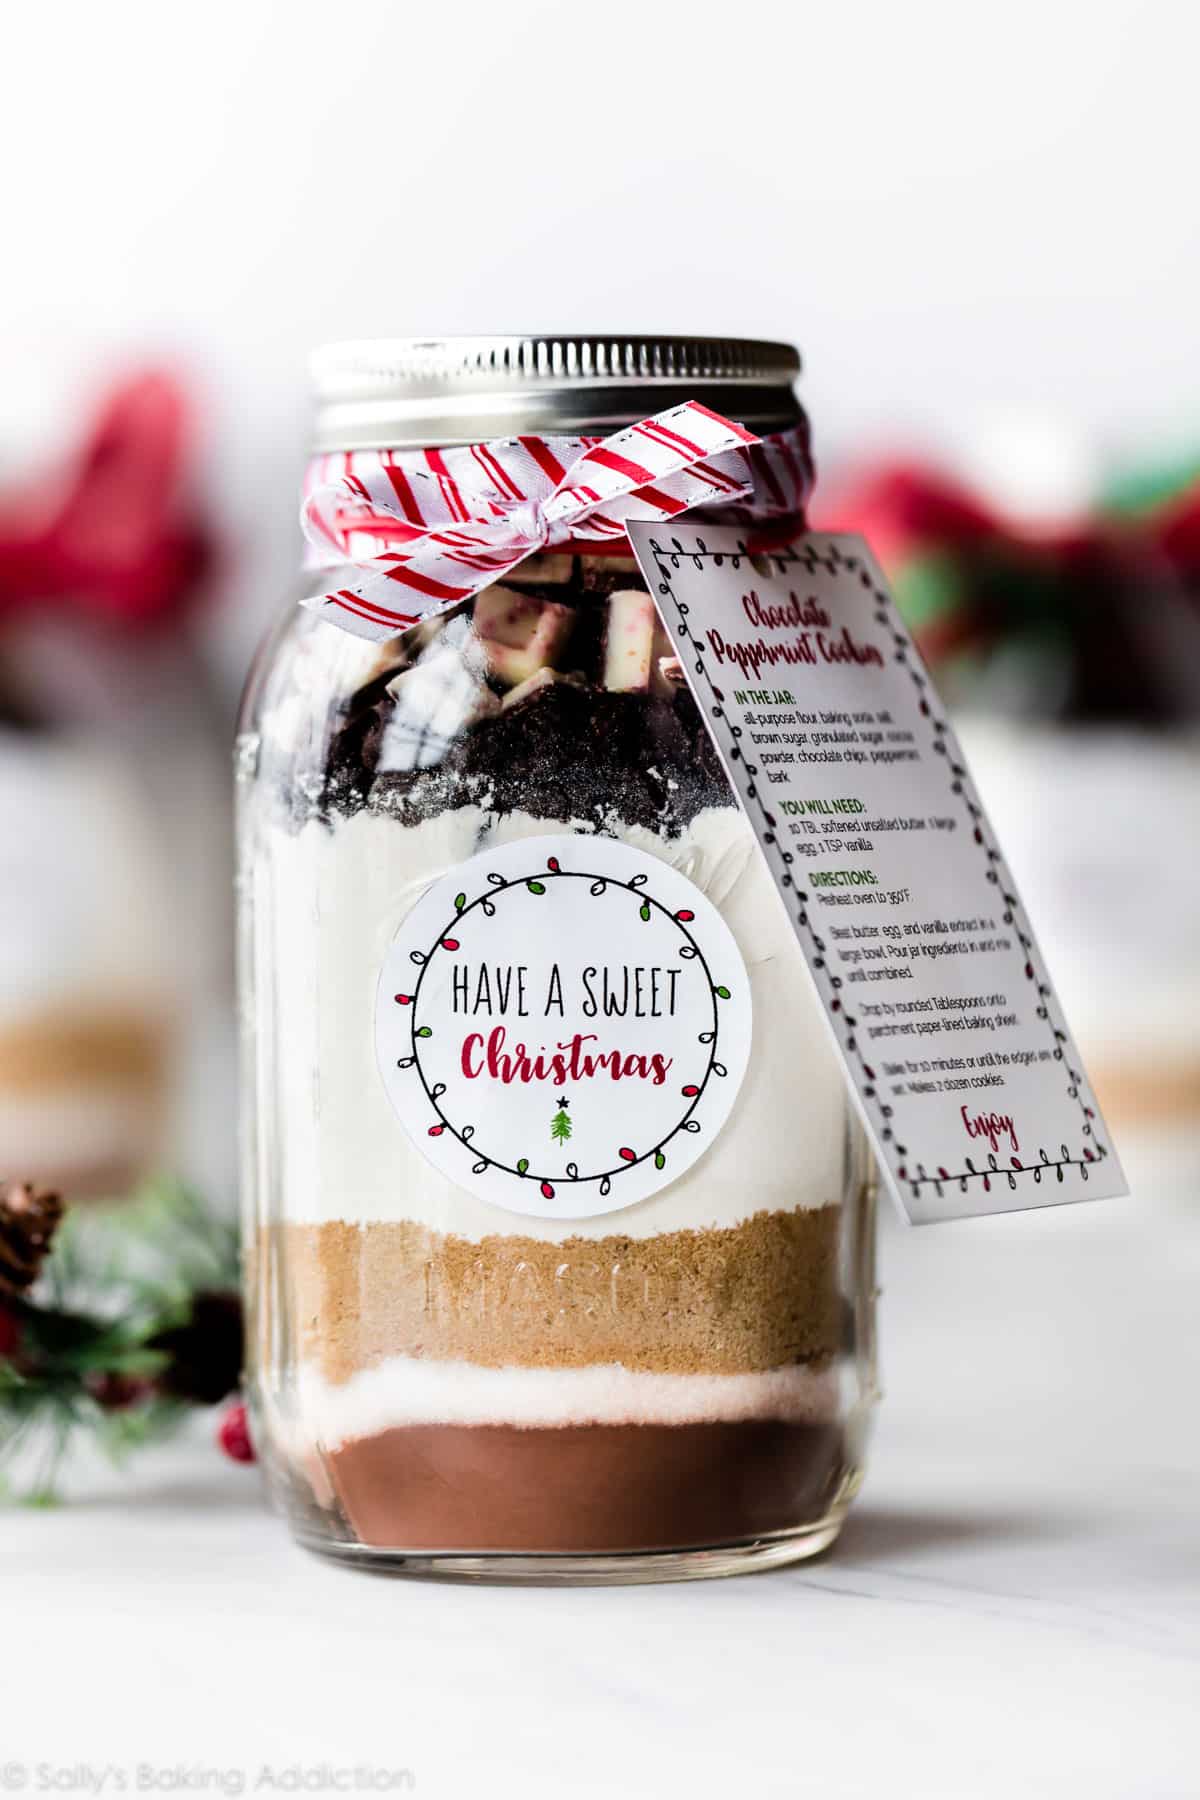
point(758, 1295)
point(585, 1488)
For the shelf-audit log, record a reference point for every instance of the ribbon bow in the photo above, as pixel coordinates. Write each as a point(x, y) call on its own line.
point(430, 529)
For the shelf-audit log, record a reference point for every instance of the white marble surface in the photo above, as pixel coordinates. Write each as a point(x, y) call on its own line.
point(1013, 1611)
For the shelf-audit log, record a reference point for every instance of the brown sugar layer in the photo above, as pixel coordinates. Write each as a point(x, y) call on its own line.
point(585, 1488)
point(758, 1295)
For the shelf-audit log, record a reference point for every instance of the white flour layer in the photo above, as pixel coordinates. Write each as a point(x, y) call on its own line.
point(414, 1391)
point(328, 900)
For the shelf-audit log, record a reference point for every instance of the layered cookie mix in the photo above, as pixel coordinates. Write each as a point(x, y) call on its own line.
point(490, 1357)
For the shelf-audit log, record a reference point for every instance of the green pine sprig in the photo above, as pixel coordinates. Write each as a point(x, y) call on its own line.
point(86, 1360)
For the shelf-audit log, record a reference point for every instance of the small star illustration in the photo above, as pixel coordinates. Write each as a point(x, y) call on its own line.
point(563, 1101)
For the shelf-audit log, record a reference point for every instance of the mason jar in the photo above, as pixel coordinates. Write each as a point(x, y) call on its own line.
point(558, 1219)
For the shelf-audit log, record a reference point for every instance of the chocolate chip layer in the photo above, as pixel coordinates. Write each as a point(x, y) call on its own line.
point(544, 730)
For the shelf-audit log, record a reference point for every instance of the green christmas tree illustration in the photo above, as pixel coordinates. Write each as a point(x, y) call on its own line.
point(560, 1124)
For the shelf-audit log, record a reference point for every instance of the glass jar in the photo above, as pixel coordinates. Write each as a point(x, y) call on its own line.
point(559, 1223)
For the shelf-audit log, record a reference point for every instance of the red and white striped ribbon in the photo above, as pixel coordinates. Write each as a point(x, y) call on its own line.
point(429, 528)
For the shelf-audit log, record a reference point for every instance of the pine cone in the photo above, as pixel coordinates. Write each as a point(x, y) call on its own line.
point(28, 1221)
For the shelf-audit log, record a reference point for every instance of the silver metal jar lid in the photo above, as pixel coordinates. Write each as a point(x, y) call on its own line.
point(408, 392)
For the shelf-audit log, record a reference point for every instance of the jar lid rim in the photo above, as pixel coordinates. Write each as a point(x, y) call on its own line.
point(408, 367)
point(421, 392)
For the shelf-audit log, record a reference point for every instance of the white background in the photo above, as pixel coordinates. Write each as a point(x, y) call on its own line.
point(965, 215)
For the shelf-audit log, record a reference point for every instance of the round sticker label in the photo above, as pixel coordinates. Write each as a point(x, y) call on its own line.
point(562, 1025)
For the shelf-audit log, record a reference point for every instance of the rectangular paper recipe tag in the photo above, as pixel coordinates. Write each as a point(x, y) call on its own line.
point(833, 735)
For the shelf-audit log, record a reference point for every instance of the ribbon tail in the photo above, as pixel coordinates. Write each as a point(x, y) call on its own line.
point(685, 457)
point(347, 608)
point(423, 570)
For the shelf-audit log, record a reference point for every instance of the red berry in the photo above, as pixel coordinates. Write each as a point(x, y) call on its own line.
point(233, 1434)
point(10, 1333)
point(116, 1393)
